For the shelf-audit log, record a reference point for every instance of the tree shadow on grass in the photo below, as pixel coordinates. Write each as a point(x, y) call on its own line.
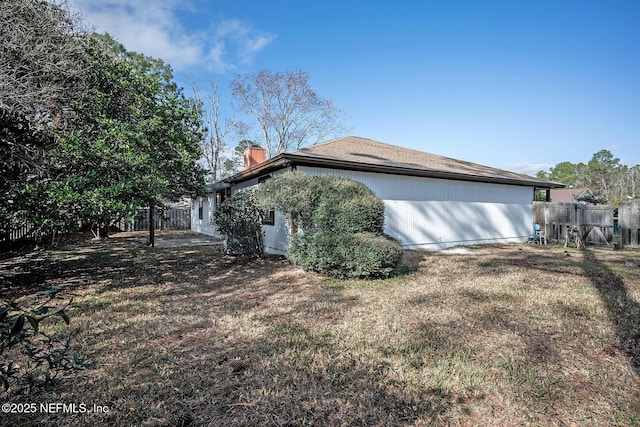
point(113, 264)
point(622, 309)
point(298, 376)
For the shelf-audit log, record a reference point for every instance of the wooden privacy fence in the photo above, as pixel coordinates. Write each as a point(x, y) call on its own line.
point(165, 219)
point(597, 224)
point(13, 234)
point(562, 222)
point(629, 224)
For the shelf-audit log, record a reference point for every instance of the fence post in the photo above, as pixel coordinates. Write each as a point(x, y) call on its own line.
point(152, 224)
point(631, 223)
point(622, 224)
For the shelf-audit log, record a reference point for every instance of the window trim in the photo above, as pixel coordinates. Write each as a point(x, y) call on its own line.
point(221, 196)
point(270, 215)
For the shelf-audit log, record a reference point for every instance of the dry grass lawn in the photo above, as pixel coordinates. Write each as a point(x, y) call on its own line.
point(503, 335)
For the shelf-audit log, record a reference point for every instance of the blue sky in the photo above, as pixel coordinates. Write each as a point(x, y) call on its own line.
point(518, 85)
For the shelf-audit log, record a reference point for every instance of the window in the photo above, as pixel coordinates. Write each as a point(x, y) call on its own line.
point(269, 216)
point(221, 196)
point(200, 208)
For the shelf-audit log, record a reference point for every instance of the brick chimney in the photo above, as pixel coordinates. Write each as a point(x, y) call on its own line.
point(254, 156)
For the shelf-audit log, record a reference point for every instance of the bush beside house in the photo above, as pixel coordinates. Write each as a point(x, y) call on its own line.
point(346, 206)
point(239, 220)
point(340, 225)
point(346, 255)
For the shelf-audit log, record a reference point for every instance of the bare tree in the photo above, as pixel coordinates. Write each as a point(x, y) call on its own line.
point(288, 112)
point(40, 77)
point(633, 182)
point(213, 144)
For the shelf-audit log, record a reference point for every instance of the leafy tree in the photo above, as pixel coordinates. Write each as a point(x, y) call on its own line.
point(131, 142)
point(604, 174)
point(41, 76)
point(603, 170)
point(633, 175)
point(565, 173)
point(147, 127)
point(288, 112)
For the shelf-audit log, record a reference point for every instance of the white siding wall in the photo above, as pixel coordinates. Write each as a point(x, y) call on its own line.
point(419, 212)
point(430, 212)
point(276, 237)
point(204, 225)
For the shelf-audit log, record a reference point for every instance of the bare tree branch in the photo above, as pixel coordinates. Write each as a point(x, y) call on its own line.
point(288, 112)
point(41, 76)
point(215, 133)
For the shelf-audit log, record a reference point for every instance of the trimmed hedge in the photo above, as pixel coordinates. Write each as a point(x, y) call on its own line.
point(341, 223)
point(346, 255)
point(346, 206)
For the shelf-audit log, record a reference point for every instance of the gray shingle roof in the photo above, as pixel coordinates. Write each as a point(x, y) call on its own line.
point(369, 155)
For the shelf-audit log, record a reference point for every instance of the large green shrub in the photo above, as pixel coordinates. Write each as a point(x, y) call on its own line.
point(346, 206)
point(345, 254)
point(323, 203)
point(239, 219)
point(341, 223)
point(293, 192)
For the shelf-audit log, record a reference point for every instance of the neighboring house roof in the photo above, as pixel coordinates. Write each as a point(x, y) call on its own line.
point(362, 154)
point(569, 195)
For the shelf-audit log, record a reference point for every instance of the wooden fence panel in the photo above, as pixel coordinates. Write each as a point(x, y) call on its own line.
point(629, 224)
point(559, 219)
point(165, 219)
point(598, 219)
point(175, 219)
point(8, 234)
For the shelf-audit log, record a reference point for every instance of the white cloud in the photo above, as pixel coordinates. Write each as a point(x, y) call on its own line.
point(527, 167)
point(153, 28)
point(247, 41)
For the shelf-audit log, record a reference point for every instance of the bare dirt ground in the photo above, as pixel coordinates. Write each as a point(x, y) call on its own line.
point(499, 335)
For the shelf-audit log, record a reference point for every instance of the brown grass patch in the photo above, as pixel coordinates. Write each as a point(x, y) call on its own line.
point(503, 335)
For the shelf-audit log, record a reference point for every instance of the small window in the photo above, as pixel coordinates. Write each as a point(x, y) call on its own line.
point(200, 208)
point(270, 215)
point(221, 196)
point(269, 218)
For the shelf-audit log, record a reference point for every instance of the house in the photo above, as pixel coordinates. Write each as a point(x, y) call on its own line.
point(571, 195)
point(430, 201)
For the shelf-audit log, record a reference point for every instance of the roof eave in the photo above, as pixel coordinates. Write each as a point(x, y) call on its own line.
point(270, 165)
point(218, 185)
point(288, 159)
point(427, 173)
